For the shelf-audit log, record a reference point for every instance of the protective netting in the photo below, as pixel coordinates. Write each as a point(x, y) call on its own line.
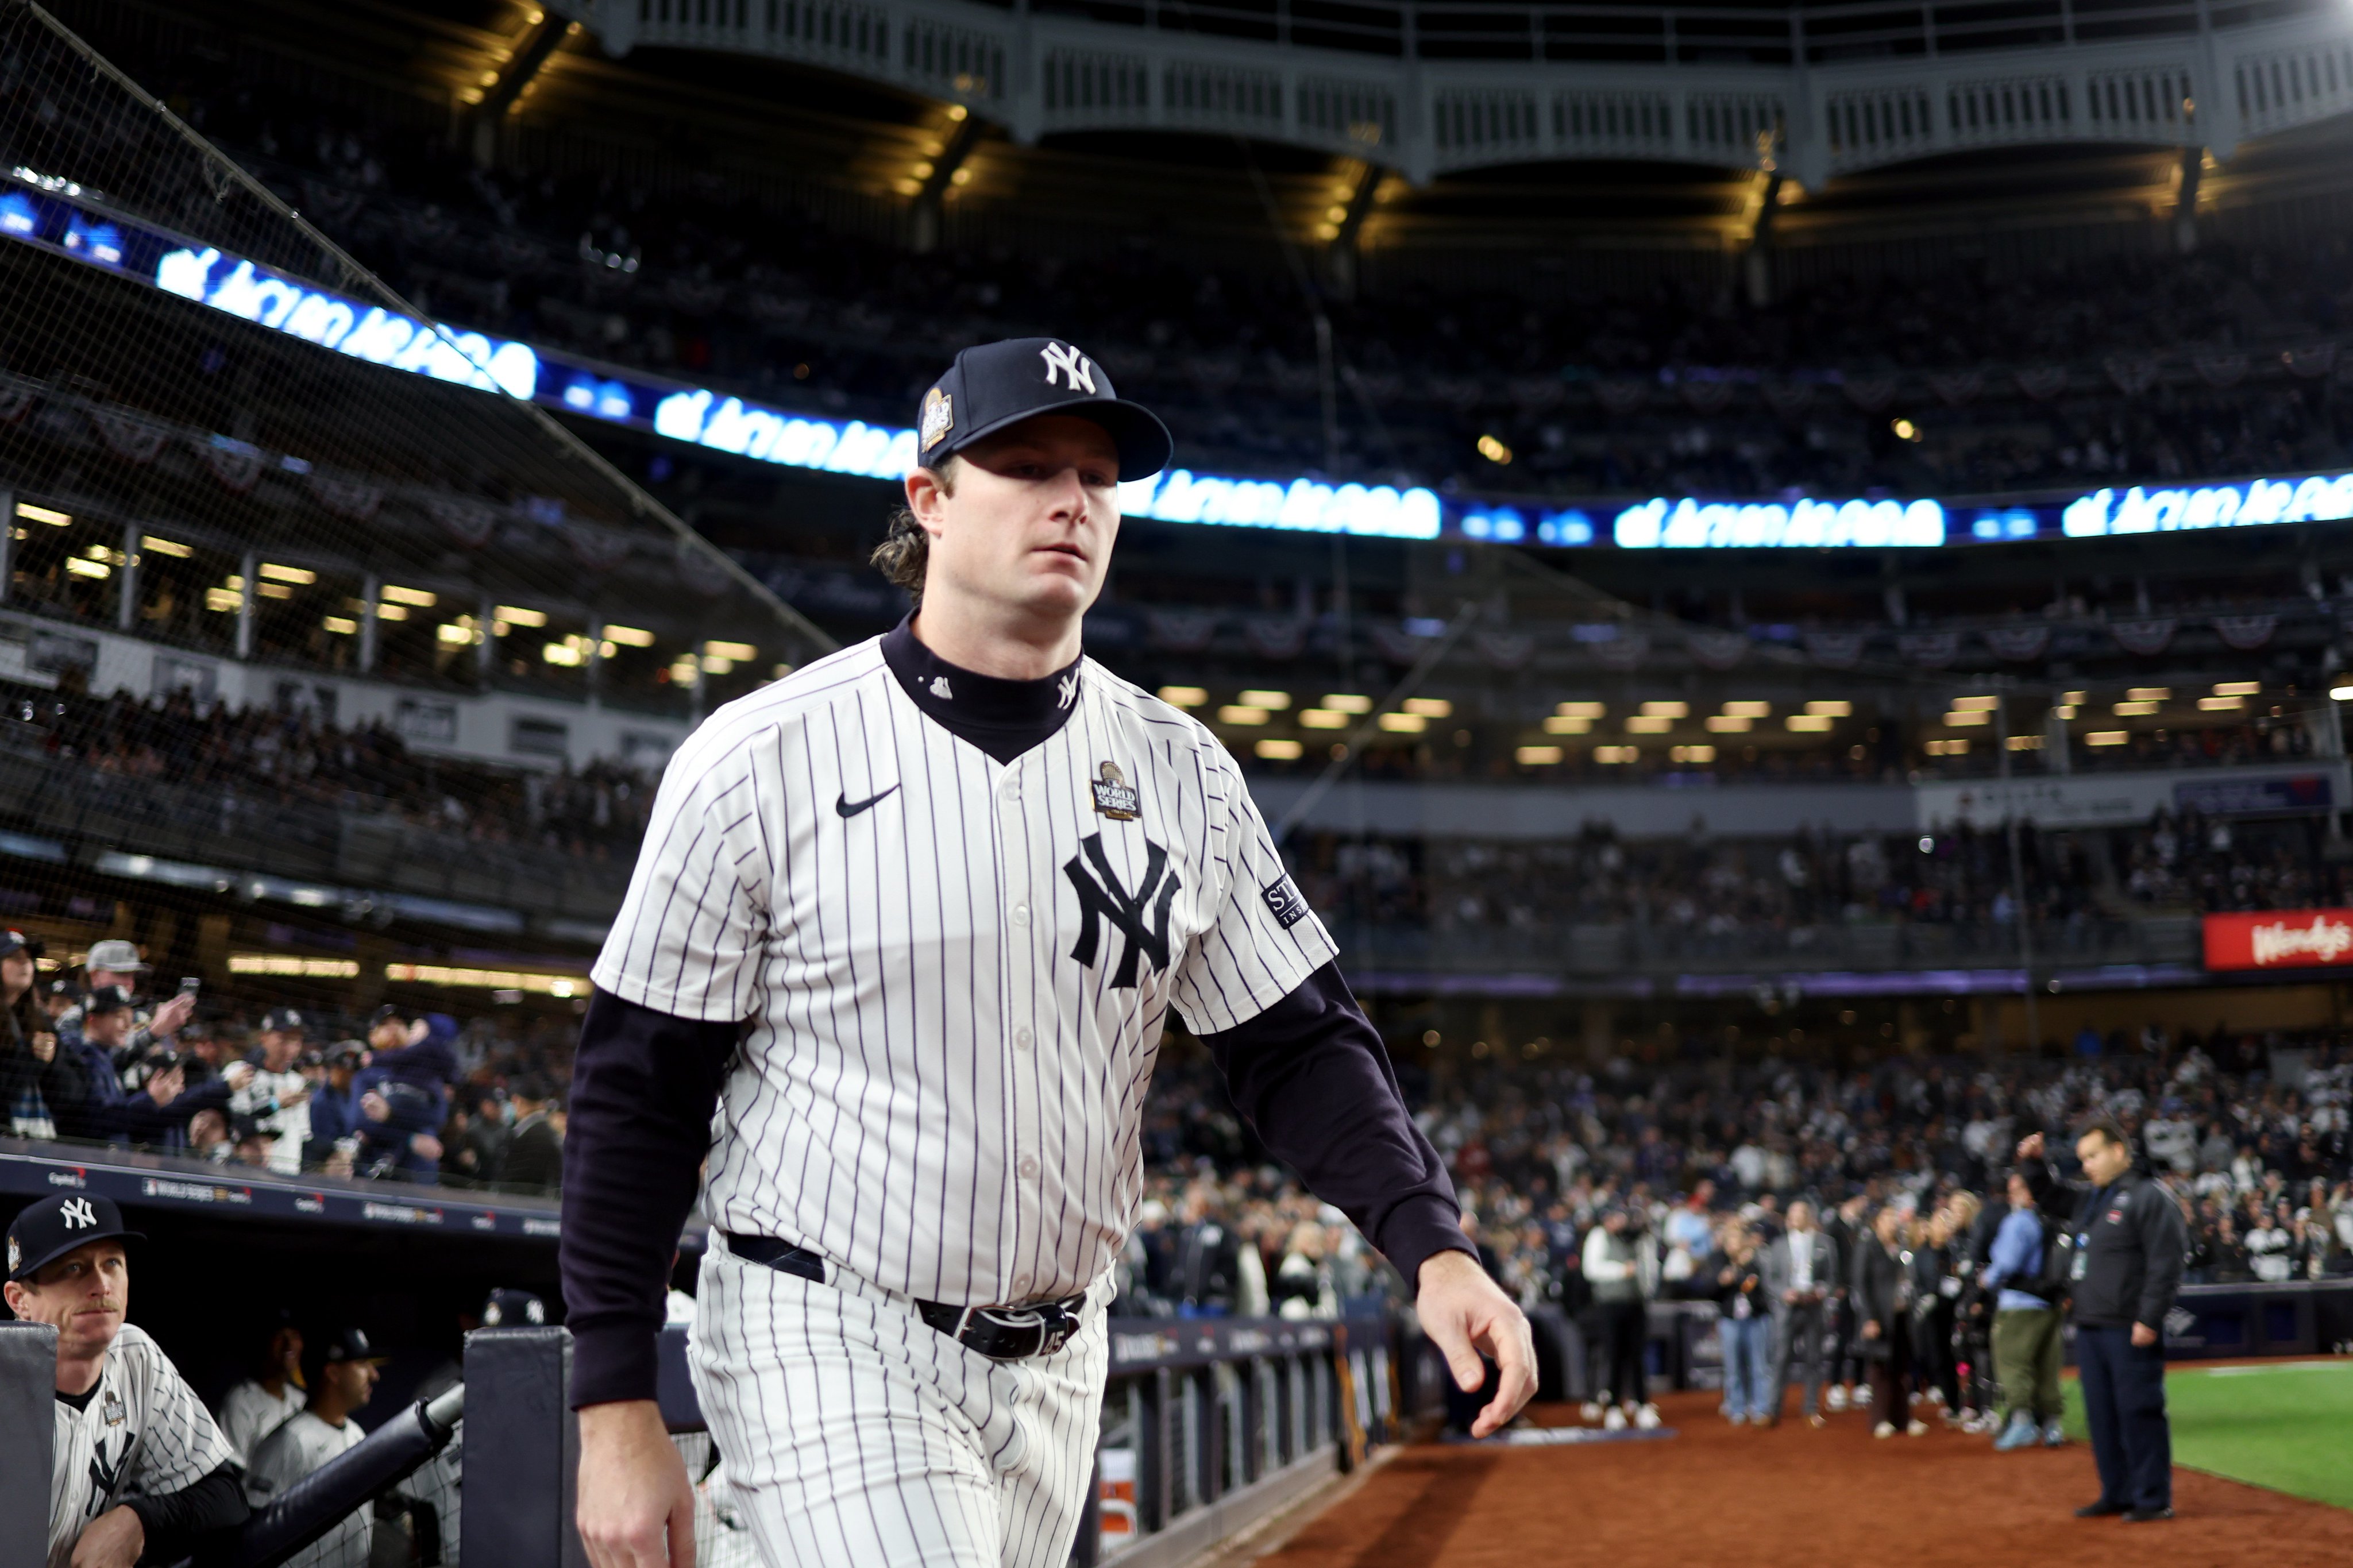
point(313, 617)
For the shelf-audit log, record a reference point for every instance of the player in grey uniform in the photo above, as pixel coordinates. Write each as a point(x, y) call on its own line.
point(912, 920)
point(138, 1467)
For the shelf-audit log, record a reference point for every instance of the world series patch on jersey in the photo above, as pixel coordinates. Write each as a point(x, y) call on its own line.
point(144, 1426)
point(955, 969)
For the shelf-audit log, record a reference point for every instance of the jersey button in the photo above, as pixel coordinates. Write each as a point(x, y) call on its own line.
point(1020, 1284)
point(1021, 1038)
point(1021, 914)
point(1029, 1167)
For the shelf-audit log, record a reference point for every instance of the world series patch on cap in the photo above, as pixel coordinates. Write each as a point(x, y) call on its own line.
point(995, 386)
point(48, 1229)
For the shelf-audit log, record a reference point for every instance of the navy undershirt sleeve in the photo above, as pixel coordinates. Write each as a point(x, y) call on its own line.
point(643, 1090)
point(176, 1522)
point(1312, 1074)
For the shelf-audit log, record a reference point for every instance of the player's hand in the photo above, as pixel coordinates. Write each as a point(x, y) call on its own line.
point(636, 1506)
point(2143, 1335)
point(1465, 1316)
point(113, 1539)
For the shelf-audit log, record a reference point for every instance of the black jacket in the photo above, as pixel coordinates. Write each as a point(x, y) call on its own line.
point(1882, 1285)
point(533, 1160)
point(2133, 1249)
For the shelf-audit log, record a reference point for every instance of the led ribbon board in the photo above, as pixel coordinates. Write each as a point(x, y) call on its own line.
point(1659, 524)
point(2258, 503)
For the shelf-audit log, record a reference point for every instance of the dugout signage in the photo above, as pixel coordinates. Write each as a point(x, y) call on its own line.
point(2279, 939)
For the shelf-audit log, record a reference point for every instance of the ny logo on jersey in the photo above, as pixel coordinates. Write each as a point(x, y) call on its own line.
point(77, 1214)
point(1141, 917)
point(1066, 691)
point(103, 1476)
point(1070, 364)
point(941, 689)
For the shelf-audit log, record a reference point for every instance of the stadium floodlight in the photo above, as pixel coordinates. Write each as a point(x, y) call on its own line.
point(1537, 756)
point(161, 546)
point(1748, 710)
point(54, 519)
point(1829, 708)
point(1666, 710)
point(1278, 749)
point(2107, 738)
point(1976, 704)
point(1690, 753)
point(1970, 716)
point(1649, 723)
point(1730, 724)
point(1347, 702)
point(2237, 687)
point(1617, 755)
point(516, 615)
point(1429, 707)
point(1277, 701)
point(1323, 718)
point(1404, 723)
point(2150, 693)
point(1814, 723)
point(1582, 709)
point(2135, 709)
point(2025, 743)
point(1183, 696)
point(342, 626)
point(628, 636)
point(419, 598)
point(2341, 693)
point(740, 652)
point(2221, 704)
point(1564, 724)
point(1241, 713)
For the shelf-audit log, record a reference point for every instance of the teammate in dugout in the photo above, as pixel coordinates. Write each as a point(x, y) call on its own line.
point(138, 1469)
point(912, 920)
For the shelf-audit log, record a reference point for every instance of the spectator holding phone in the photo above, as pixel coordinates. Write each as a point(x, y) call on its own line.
point(38, 1080)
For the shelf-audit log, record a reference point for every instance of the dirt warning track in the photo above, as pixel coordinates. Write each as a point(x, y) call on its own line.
point(1793, 1495)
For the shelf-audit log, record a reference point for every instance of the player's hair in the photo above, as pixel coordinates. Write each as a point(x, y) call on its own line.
point(906, 550)
point(2106, 1126)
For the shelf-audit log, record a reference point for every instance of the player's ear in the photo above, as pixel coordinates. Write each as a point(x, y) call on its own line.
point(926, 492)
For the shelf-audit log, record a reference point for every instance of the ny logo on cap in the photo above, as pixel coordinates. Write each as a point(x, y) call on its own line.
point(77, 1214)
point(1070, 363)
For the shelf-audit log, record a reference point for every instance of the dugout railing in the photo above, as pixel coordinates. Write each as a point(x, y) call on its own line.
point(1209, 1426)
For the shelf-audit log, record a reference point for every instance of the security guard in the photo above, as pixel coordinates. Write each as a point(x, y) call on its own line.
point(2129, 1244)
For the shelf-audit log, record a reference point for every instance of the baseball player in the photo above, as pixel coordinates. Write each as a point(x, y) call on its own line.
point(138, 1469)
point(911, 920)
point(341, 1371)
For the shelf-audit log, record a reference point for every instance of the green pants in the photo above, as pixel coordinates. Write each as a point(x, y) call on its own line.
point(2026, 1360)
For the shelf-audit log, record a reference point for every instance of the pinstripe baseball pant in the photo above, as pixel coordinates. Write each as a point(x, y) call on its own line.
point(855, 1433)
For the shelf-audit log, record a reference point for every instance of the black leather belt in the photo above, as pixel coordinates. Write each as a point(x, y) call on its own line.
point(1000, 1334)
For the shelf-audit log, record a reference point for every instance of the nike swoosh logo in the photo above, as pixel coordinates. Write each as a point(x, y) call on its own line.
point(849, 808)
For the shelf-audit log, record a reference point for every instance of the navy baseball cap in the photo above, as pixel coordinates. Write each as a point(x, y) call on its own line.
point(106, 999)
point(48, 1229)
point(995, 386)
point(282, 1021)
point(514, 1310)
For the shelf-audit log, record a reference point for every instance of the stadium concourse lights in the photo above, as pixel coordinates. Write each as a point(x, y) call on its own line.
point(1537, 756)
point(1275, 749)
point(1243, 714)
point(1183, 696)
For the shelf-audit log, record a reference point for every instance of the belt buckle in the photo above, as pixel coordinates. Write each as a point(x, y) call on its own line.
point(987, 1328)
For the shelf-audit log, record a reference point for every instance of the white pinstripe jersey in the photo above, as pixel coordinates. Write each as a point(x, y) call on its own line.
point(144, 1432)
point(953, 996)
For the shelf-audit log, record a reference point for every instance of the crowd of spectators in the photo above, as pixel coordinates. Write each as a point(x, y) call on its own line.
point(276, 757)
point(1701, 1157)
point(1701, 887)
point(403, 1094)
point(695, 281)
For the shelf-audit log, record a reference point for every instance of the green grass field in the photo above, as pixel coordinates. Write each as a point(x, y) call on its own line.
point(2289, 1427)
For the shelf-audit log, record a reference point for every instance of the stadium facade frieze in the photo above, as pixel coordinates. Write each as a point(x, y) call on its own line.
point(65, 219)
point(1816, 90)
